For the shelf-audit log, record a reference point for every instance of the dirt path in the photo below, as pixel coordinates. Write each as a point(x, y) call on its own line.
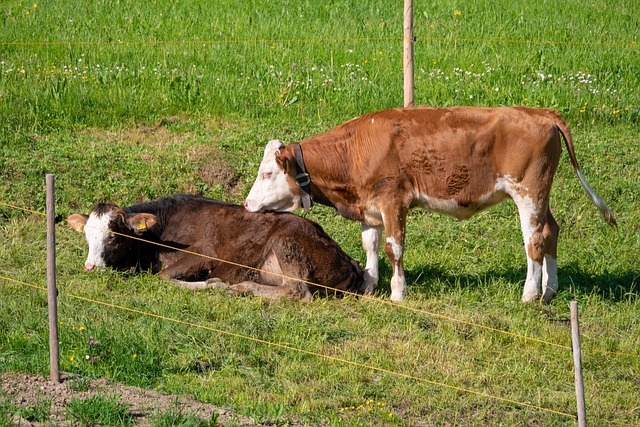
point(28, 390)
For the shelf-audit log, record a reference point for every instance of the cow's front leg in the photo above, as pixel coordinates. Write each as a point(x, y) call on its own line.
point(212, 283)
point(186, 267)
point(394, 225)
point(371, 245)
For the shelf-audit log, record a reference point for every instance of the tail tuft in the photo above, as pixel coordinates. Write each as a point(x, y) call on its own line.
point(597, 201)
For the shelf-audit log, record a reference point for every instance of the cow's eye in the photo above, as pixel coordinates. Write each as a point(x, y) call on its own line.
point(266, 175)
point(111, 236)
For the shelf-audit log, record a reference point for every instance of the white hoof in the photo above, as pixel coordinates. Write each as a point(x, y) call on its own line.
point(530, 297)
point(398, 296)
point(370, 283)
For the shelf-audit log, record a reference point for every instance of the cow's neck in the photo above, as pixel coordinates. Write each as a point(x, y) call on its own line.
point(144, 255)
point(328, 167)
point(302, 178)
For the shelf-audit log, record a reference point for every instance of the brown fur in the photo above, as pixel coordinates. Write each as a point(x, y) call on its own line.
point(390, 161)
point(297, 250)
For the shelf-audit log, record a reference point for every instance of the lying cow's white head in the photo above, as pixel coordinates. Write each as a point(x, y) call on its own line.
point(106, 230)
point(274, 188)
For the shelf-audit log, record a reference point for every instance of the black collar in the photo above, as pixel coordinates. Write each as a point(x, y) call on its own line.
point(302, 179)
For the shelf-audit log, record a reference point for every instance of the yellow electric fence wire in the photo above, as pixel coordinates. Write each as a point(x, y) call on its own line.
point(367, 297)
point(311, 353)
point(319, 355)
point(372, 298)
point(313, 40)
point(22, 209)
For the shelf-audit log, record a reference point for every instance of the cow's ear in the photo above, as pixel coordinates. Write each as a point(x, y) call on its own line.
point(77, 221)
point(141, 222)
point(283, 161)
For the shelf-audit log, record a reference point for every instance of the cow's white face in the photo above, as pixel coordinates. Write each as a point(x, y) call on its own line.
point(96, 230)
point(107, 230)
point(272, 190)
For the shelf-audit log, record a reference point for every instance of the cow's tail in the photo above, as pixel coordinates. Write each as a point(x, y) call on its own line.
point(565, 131)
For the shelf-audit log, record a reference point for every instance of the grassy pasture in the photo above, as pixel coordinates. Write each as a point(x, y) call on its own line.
point(138, 100)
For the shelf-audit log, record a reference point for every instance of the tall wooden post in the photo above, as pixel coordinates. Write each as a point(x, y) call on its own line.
point(577, 362)
point(52, 291)
point(408, 53)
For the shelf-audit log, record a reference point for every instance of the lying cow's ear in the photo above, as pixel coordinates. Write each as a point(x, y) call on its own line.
point(141, 222)
point(77, 221)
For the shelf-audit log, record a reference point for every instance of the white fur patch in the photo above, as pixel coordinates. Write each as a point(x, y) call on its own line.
point(397, 249)
point(271, 189)
point(371, 245)
point(96, 231)
point(528, 211)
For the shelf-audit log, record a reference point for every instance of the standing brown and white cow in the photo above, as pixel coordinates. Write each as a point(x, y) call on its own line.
point(456, 161)
point(202, 243)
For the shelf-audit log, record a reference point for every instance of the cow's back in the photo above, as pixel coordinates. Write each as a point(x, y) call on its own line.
point(238, 239)
point(314, 256)
point(440, 155)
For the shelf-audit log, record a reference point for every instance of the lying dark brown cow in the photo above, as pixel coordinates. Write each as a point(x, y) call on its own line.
point(287, 254)
point(457, 161)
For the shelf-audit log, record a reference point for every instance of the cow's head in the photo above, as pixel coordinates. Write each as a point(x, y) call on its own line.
point(275, 188)
point(106, 230)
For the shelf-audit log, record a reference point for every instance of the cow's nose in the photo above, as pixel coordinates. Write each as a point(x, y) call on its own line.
point(250, 205)
point(89, 266)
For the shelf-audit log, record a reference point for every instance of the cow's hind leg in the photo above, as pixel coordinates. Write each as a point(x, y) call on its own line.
point(371, 244)
point(394, 225)
point(550, 263)
point(296, 291)
point(535, 232)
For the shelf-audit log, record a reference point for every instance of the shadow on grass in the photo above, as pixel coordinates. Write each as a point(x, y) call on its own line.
point(613, 286)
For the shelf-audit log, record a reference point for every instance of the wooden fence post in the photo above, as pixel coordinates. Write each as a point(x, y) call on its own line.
point(577, 361)
point(52, 291)
point(408, 53)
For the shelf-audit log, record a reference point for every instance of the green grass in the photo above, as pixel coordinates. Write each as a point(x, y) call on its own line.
point(38, 412)
point(99, 410)
point(177, 415)
point(135, 100)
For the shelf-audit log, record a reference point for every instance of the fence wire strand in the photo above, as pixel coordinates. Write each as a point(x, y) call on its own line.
point(417, 38)
point(300, 350)
point(367, 297)
point(316, 354)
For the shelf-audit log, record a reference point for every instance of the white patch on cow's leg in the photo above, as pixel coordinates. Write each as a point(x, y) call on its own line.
point(214, 283)
point(528, 212)
point(532, 283)
point(398, 282)
point(549, 278)
point(371, 243)
point(398, 285)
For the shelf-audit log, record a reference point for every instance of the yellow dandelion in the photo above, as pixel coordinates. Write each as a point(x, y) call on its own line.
point(81, 328)
point(457, 13)
point(380, 53)
point(71, 358)
point(35, 6)
point(28, 12)
point(134, 355)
